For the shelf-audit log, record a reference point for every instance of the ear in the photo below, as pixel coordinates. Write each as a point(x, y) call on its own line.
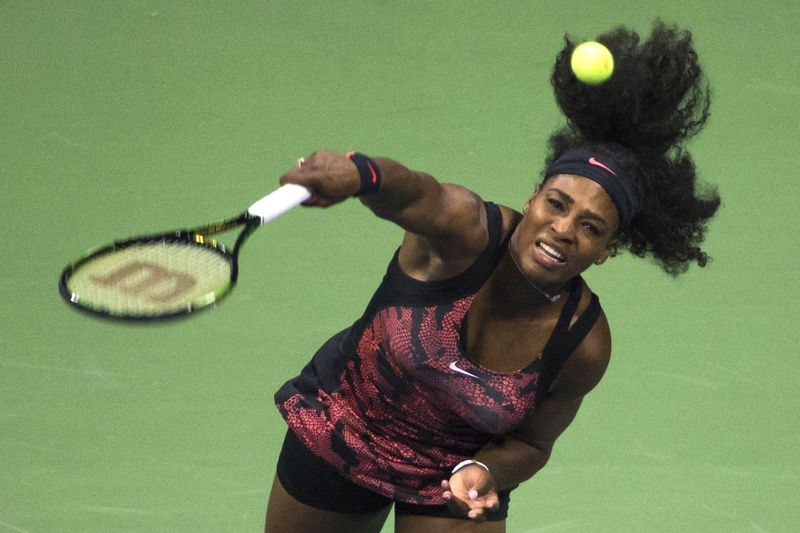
point(530, 200)
point(610, 251)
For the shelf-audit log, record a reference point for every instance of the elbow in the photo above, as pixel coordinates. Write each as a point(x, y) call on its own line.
point(537, 456)
point(536, 459)
point(543, 456)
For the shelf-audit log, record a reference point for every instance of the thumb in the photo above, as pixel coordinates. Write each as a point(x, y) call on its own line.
point(477, 481)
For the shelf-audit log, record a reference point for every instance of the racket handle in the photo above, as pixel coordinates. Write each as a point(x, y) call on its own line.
point(278, 202)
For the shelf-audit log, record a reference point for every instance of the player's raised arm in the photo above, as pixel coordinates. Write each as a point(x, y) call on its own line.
point(445, 221)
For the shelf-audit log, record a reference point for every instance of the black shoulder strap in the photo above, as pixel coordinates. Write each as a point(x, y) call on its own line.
point(487, 261)
point(565, 339)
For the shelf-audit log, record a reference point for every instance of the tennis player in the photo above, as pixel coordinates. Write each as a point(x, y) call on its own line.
point(482, 340)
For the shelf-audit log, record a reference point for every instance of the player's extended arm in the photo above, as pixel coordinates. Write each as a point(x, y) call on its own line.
point(449, 219)
point(514, 458)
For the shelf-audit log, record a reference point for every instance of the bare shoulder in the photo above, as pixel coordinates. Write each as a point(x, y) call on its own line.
point(462, 205)
point(584, 369)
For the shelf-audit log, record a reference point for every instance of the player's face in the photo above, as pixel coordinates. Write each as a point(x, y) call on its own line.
point(569, 224)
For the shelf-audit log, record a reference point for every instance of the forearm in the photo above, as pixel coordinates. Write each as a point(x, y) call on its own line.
point(410, 199)
point(515, 457)
point(511, 461)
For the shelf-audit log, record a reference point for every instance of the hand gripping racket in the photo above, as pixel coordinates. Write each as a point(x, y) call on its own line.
point(171, 274)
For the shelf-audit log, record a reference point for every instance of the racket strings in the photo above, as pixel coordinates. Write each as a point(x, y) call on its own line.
point(151, 278)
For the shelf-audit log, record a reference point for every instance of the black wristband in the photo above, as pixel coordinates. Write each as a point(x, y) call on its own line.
point(368, 171)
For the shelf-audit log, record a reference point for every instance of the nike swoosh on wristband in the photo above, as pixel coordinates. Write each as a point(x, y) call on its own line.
point(454, 366)
point(374, 174)
point(595, 162)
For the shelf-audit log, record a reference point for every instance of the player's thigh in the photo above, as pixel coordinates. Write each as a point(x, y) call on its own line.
point(409, 523)
point(287, 515)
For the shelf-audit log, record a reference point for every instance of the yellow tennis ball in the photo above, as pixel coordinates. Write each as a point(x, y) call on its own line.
point(592, 63)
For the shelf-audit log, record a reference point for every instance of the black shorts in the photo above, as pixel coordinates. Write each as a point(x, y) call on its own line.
point(312, 481)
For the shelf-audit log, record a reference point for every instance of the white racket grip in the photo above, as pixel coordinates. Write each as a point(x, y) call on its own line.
point(279, 201)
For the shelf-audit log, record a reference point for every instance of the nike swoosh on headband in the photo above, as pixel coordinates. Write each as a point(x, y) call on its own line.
point(595, 162)
point(454, 366)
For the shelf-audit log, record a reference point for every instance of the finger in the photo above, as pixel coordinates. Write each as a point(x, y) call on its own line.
point(297, 177)
point(303, 177)
point(445, 484)
point(476, 514)
point(493, 504)
point(297, 173)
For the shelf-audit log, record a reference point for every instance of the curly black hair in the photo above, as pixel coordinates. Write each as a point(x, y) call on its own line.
point(655, 100)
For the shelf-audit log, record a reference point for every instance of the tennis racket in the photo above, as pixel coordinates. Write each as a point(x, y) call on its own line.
point(172, 274)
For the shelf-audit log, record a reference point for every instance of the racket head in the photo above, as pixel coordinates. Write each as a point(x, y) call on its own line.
point(152, 277)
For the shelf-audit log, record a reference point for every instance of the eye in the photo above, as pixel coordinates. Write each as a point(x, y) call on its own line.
point(591, 228)
point(556, 204)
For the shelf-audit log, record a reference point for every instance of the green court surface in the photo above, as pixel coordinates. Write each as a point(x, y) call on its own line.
point(123, 117)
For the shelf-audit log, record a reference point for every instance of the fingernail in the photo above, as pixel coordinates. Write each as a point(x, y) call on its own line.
point(473, 494)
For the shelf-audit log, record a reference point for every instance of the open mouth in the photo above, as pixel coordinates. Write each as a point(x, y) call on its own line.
point(551, 252)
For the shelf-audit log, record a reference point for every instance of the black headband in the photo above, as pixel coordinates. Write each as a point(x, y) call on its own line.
point(606, 172)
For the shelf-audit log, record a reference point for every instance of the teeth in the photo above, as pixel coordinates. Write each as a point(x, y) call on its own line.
point(551, 252)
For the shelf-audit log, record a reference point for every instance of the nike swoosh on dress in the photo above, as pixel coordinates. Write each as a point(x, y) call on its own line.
point(454, 367)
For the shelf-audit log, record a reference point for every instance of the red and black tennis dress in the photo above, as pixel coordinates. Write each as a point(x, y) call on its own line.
point(393, 402)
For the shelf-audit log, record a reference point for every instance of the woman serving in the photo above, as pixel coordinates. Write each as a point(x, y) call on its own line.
point(482, 340)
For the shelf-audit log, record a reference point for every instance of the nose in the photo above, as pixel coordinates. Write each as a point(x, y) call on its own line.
point(563, 228)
